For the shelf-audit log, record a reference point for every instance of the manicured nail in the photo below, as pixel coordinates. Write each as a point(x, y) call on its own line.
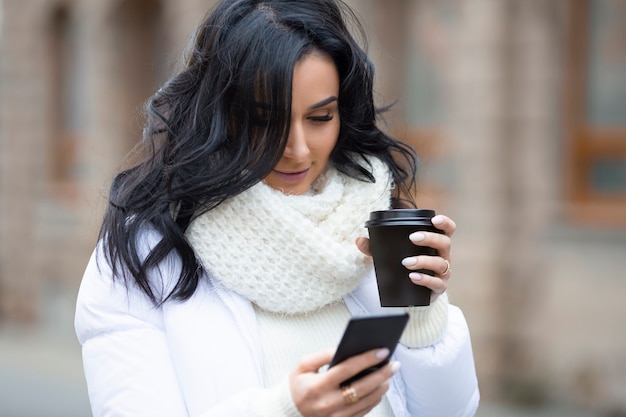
point(409, 261)
point(382, 353)
point(417, 236)
point(395, 366)
point(437, 220)
point(415, 276)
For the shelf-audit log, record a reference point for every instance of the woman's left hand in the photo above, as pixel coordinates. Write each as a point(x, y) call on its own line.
point(439, 264)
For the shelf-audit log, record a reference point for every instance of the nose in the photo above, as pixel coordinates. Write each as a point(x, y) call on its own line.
point(297, 147)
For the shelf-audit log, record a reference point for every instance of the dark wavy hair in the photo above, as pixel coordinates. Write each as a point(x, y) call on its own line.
point(204, 140)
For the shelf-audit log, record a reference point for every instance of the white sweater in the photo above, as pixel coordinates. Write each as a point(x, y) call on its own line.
point(203, 358)
point(286, 339)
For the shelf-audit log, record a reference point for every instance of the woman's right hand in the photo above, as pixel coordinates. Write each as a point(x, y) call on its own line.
point(318, 394)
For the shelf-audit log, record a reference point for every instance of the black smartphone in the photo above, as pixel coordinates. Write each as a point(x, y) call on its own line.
point(367, 332)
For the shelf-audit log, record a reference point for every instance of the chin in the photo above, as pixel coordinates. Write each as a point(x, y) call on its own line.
point(294, 191)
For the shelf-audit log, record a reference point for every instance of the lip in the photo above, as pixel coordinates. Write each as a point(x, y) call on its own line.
point(294, 176)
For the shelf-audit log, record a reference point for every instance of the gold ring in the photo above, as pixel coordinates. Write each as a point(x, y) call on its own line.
point(448, 268)
point(349, 394)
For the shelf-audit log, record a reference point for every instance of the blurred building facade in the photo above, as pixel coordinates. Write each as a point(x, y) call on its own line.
point(518, 109)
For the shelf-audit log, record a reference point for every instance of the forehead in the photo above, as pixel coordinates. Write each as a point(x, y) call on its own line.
point(315, 81)
point(315, 84)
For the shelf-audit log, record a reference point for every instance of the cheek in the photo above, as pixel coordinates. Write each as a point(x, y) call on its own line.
point(326, 141)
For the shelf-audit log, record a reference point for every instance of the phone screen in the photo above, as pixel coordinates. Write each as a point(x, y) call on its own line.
point(369, 332)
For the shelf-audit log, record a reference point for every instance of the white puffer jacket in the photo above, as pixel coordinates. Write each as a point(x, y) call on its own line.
point(202, 357)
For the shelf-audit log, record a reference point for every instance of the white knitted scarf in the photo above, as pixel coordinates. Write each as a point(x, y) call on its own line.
point(291, 253)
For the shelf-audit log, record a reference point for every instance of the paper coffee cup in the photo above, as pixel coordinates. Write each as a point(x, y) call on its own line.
point(389, 232)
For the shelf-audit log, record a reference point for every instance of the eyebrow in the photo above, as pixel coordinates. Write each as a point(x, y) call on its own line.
point(317, 105)
point(323, 102)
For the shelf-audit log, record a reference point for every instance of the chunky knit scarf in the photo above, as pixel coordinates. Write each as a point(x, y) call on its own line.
point(291, 253)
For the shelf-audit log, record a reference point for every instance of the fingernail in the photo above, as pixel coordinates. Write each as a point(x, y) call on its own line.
point(395, 366)
point(417, 236)
point(382, 353)
point(415, 276)
point(437, 220)
point(409, 261)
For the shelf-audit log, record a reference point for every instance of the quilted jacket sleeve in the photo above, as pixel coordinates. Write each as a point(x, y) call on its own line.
point(126, 357)
point(127, 354)
point(437, 378)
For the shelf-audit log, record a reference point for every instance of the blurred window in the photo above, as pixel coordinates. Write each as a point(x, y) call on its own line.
point(596, 97)
point(64, 109)
point(139, 61)
point(428, 51)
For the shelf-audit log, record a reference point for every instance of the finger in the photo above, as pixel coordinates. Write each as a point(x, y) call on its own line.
point(372, 381)
point(447, 268)
point(438, 265)
point(437, 285)
point(437, 241)
point(369, 390)
point(352, 366)
point(366, 403)
point(315, 361)
point(363, 244)
point(372, 387)
point(444, 223)
point(307, 387)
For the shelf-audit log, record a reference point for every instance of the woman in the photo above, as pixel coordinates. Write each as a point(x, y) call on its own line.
point(233, 253)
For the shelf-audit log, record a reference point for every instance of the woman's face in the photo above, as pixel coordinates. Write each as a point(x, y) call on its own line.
point(314, 125)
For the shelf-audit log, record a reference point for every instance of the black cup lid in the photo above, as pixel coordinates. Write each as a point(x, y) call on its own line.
point(399, 216)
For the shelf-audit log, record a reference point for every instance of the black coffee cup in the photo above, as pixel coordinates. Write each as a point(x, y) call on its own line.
point(389, 232)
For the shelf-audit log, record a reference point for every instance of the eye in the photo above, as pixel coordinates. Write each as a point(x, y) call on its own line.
point(320, 119)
